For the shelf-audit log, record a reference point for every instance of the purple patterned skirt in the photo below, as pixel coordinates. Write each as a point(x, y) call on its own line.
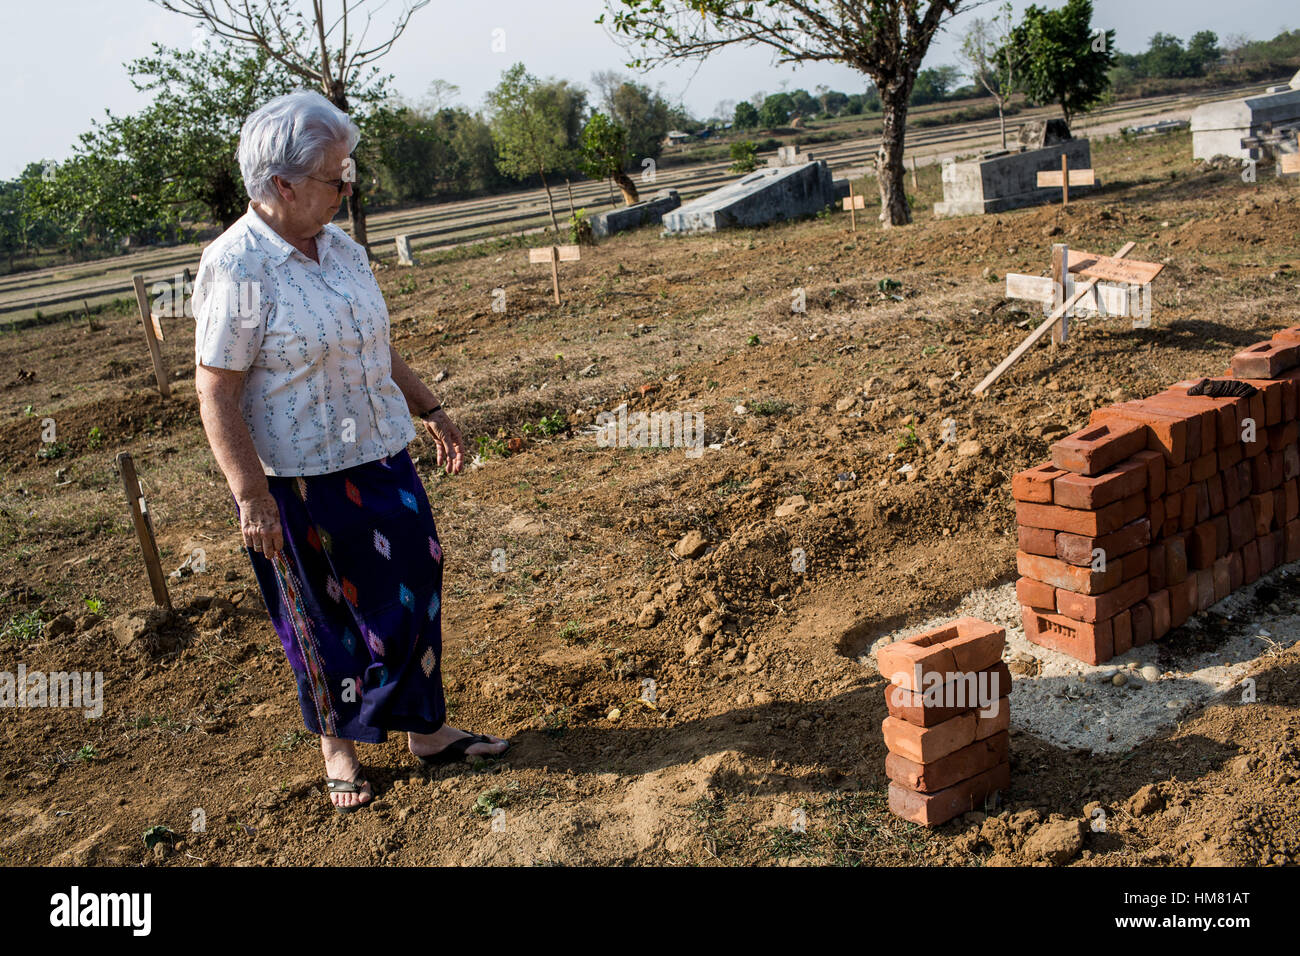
point(356, 597)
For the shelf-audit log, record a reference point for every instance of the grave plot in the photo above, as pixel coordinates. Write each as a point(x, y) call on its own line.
point(1162, 507)
point(1001, 181)
point(767, 195)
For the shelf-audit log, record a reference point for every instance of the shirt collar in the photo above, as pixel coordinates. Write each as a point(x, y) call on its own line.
point(277, 248)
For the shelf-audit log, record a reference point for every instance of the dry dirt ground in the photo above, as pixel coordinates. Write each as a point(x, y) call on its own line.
point(775, 716)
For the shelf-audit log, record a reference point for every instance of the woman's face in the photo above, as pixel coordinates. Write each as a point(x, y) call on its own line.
point(315, 203)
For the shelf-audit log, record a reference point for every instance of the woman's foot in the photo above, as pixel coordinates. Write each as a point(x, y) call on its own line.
point(341, 763)
point(430, 745)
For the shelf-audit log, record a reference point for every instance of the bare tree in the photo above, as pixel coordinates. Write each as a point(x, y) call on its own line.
point(330, 52)
point(987, 54)
point(885, 39)
point(439, 95)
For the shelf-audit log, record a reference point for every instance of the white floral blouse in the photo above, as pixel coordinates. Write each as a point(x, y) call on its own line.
point(319, 395)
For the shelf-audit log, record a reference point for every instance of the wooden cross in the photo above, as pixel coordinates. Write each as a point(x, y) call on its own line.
point(144, 529)
point(153, 334)
point(1095, 269)
point(555, 255)
point(1288, 163)
point(852, 202)
point(1066, 178)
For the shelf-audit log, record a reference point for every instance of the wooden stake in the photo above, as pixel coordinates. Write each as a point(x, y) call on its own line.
point(853, 216)
point(555, 272)
point(1079, 292)
point(144, 529)
point(1065, 180)
point(573, 214)
point(160, 371)
point(1060, 290)
point(914, 186)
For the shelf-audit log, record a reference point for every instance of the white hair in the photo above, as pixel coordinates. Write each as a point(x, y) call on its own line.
point(288, 137)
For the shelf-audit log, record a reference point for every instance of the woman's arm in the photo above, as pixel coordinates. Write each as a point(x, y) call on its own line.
point(446, 436)
point(219, 392)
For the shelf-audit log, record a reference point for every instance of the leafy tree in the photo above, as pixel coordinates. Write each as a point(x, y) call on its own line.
point(645, 116)
point(744, 157)
point(775, 110)
point(1203, 51)
point(884, 39)
point(535, 127)
point(833, 103)
point(1064, 60)
point(746, 116)
point(997, 75)
point(604, 152)
point(325, 49)
point(934, 85)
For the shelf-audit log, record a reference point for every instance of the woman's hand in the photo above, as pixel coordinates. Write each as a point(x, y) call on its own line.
point(446, 438)
point(259, 522)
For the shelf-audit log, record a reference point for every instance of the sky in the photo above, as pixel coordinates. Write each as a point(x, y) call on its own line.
point(65, 58)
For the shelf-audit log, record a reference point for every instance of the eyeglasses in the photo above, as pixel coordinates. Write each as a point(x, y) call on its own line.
point(338, 184)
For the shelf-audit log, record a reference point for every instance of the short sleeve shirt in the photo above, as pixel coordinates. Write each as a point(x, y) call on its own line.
point(319, 395)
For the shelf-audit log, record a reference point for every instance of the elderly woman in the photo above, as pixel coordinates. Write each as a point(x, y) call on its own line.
point(308, 411)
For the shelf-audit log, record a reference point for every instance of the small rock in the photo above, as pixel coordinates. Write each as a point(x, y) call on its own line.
point(63, 624)
point(792, 506)
point(1146, 801)
point(1119, 680)
point(1057, 843)
point(649, 616)
point(844, 404)
point(691, 545)
point(1150, 673)
point(614, 714)
point(711, 623)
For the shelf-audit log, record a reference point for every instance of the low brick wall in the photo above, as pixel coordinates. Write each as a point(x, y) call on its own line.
point(1161, 507)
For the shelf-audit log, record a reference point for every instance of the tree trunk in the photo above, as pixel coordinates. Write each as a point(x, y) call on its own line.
point(1002, 124)
point(893, 194)
point(549, 204)
point(626, 187)
point(356, 211)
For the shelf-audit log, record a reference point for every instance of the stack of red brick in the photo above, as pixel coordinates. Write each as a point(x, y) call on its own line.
point(1160, 508)
point(947, 729)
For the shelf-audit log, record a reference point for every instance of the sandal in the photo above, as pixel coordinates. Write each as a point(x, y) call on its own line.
point(349, 786)
point(454, 752)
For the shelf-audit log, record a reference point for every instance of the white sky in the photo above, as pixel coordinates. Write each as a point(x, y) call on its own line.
point(64, 58)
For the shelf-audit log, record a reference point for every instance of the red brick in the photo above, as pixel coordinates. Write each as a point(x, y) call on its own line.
point(1175, 559)
point(1204, 588)
point(1036, 540)
point(1202, 501)
point(992, 720)
point(1182, 600)
point(953, 769)
point(1141, 616)
point(924, 744)
point(1192, 419)
point(1279, 506)
point(1189, 508)
point(1121, 627)
point(1177, 478)
point(1230, 455)
point(1271, 399)
point(1081, 491)
point(1205, 466)
point(1166, 434)
point(1279, 436)
point(1092, 450)
point(933, 809)
point(1290, 501)
point(1241, 524)
point(1214, 491)
point(1222, 535)
point(1206, 415)
point(1156, 516)
point(1201, 546)
point(1279, 547)
point(964, 644)
point(1088, 642)
point(1267, 559)
point(1265, 360)
point(1033, 593)
point(1231, 488)
point(1133, 564)
point(1100, 607)
point(1262, 507)
point(1225, 408)
point(1035, 484)
point(1290, 336)
point(1155, 465)
point(1157, 603)
point(1156, 565)
point(1290, 462)
point(1250, 562)
point(1292, 541)
point(1078, 549)
point(943, 702)
point(1276, 470)
point(1073, 520)
point(1134, 509)
point(1081, 578)
point(1261, 473)
point(1222, 579)
point(1245, 478)
point(1236, 570)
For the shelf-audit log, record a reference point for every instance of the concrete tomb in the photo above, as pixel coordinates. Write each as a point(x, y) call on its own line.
point(1009, 180)
point(765, 195)
point(1218, 128)
point(643, 213)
